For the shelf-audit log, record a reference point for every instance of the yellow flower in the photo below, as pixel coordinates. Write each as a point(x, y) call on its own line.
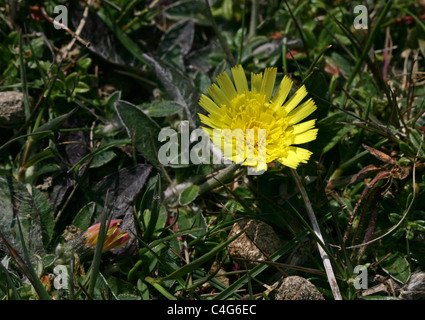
point(275, 129)
point(115, 238)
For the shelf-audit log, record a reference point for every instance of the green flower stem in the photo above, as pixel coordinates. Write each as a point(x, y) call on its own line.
point(172, 193)
point(98, 251)
point(253, 19)
point(222, 177)
point(243, 33)
point(223, 43)
point(325, 258)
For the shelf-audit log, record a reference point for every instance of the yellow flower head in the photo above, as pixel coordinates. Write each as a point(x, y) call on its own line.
point(274, 123)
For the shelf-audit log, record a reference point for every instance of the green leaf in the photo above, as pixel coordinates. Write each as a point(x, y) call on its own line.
point(48, 260)
point(192, 9)
point(318, 87)
point(177, 42)
point(84, 63)
point(141, 129)
point(160, 288)
point(128, 296)
point(188, 195)
point(161, 220)
point(164, 108)
point(398, 233)
point(26, 226)
point(126, 41)
point(82, 87)
point(102, 158)
point(43, 155)
point(44, 213)
point(144, 289)
point(394, 218)
point(85, 217)
point(405, 148)
point(178, 87)
point(154, 211)
point(330, 132)
point(35, 214)
point(8, 275)
point(102, 288)
point(52, 124)
point(46, 169)
point(71, 82)
point(191, 220)
point(415, 138)
point(397, 267)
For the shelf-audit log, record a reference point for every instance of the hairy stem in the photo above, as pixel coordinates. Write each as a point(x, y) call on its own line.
point(223, 176)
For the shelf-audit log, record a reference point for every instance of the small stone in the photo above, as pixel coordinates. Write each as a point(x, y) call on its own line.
point(219, 273)
point(71, 233)
point(414, 289)
point(297, 288)
point(12, 110)
point(258, 237)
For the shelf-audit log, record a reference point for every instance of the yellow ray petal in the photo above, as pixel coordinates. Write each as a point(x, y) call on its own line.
point(226, 85)
point(218, 95)
point(302, 112)
point(239, 78)
point(295, 99)
point(282, 92)
point(301, 127)
point(209, 105)
point(306, 136)
point(256, 79)
point(295, 156)
point(267, 85)
point(209, 121)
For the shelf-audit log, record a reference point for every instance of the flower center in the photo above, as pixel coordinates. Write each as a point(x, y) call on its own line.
point(248, 111)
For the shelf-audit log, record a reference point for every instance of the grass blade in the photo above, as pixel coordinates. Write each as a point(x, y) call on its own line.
point(369, 43)
point(196, 263)
point(156, 205)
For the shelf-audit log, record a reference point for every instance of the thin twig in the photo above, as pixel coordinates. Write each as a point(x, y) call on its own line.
point(63, 26)
point(80, 28)
point(325, 258)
